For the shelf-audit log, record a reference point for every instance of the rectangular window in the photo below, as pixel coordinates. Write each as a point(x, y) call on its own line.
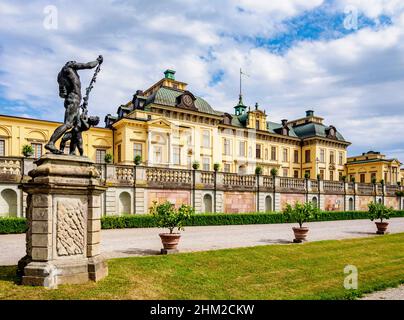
point(177, 155)
point(100, 155)
point(296, 174)
point(206, 139)
point(332, 160)
point(331, 175)
point(307, 156)
point(322, 155)
point(226, 167)
point(2, 148)
point(341, 159)
point(340, 175)
point(137, 150)
point(241, 148)
point(227, 147)
point(285, 172)
point(296, 156)
point(273, 153)
point(266, 154)
point(157, 155)
point(257, 124)
point(37, 150)
point(206, 164)
point(322, 174)
point(119, 153)
point(362, 178)
point(285, 155)
point(258, 151)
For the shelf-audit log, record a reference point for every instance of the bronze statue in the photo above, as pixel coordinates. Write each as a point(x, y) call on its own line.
point(70, 90)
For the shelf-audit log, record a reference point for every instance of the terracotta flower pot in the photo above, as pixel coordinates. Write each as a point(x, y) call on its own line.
point(381, 227)
point(300, 234)
point(170, 240)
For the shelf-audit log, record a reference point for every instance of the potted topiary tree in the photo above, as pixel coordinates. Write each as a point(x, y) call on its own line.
point(108, 158)
point(216, 167)
point(300, 213)
point(195, 165)
point(167, 216)
point(378, 211)
point(274, 172)
point(138, 159)
point(27, 150)
point(307, 175)
point(353, 179)
point(318, 177)
point(258, 170)
point(373, 180)
point(343, 178)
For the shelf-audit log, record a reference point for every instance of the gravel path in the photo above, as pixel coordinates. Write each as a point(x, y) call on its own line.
point(389, 294)
point(135, 242)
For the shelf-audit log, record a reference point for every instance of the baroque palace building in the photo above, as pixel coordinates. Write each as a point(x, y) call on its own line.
point(171, 128)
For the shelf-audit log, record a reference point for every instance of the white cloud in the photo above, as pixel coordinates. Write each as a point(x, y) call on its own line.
point(354, 81)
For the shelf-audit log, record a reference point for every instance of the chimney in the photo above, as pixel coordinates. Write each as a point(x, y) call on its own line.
point(309, 113)
point(169, 74)
point(284, 122)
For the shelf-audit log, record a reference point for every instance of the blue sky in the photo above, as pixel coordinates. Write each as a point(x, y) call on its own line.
point(343, 59)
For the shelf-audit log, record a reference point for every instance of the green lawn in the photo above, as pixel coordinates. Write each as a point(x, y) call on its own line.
point(312, 270)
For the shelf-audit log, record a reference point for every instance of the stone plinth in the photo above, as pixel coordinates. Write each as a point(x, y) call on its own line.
point(63, 213)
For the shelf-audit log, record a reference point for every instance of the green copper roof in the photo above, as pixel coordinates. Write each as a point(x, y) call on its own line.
point(272, 126)
point(314, 130)
point(167, 96)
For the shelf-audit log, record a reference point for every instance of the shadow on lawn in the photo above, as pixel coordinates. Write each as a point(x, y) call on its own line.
point(140, 252)
point(9, 273)
point(361, 232)
point(276, 241)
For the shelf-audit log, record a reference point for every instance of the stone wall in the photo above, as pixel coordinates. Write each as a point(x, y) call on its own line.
point(238, 202)
point(363, 201)
point(177, 197)
point(333, 202)
point(291, 198)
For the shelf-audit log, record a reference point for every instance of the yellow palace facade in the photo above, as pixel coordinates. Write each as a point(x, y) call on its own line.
point(169, 126)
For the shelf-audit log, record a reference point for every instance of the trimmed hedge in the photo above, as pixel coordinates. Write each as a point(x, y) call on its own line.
point(19, 225)
point(13, 225)
point(146, 221)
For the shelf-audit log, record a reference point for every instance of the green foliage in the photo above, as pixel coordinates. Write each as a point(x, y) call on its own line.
point(168, 216)
point(274, 172)
point(399, 193)
point(13, 225)
point(258, 170)
point(27, 150)
point(382, 181)
point(379, 211)
point(108, 158)
point(195, 165)
point(300, 212)
point(352, 179)
point(373, 180)
point(343, 178)
point(318, 177)
point(307, 175)
point(216, 166)
point(138, 159)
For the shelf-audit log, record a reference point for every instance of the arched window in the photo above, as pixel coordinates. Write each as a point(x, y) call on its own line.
point(124, 203)
point(8, 203)
point(350, 204)
point(314, 202)
point(380, 200)
point(207, 203)
point(268, 204)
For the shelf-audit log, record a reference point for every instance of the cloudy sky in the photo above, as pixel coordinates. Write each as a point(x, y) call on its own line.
point(344, 59)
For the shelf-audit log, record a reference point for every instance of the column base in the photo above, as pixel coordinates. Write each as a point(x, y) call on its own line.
point(50, 274)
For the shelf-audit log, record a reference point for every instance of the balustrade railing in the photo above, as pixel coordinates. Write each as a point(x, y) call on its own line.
point(207, 177)
point(314, 185)
point(11, 166)
point(351, 187)
point(233, 179)
point(292, 183)
point(333, 186)
point(365, 188)
point(268, 182)
point(124, 173)
point(392, 189)
point(168, 175)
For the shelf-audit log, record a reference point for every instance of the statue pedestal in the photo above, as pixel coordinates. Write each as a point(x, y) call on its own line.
point(63, 213)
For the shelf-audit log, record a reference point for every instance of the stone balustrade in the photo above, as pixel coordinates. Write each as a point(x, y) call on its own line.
point(233, 179)
point(207, 177)
point(165, 175)
point(292, 183)
point(314, 185)
point(333, 186)
point(124, 174)
point(10, 166)
point(268, 182)
point(366, 188)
